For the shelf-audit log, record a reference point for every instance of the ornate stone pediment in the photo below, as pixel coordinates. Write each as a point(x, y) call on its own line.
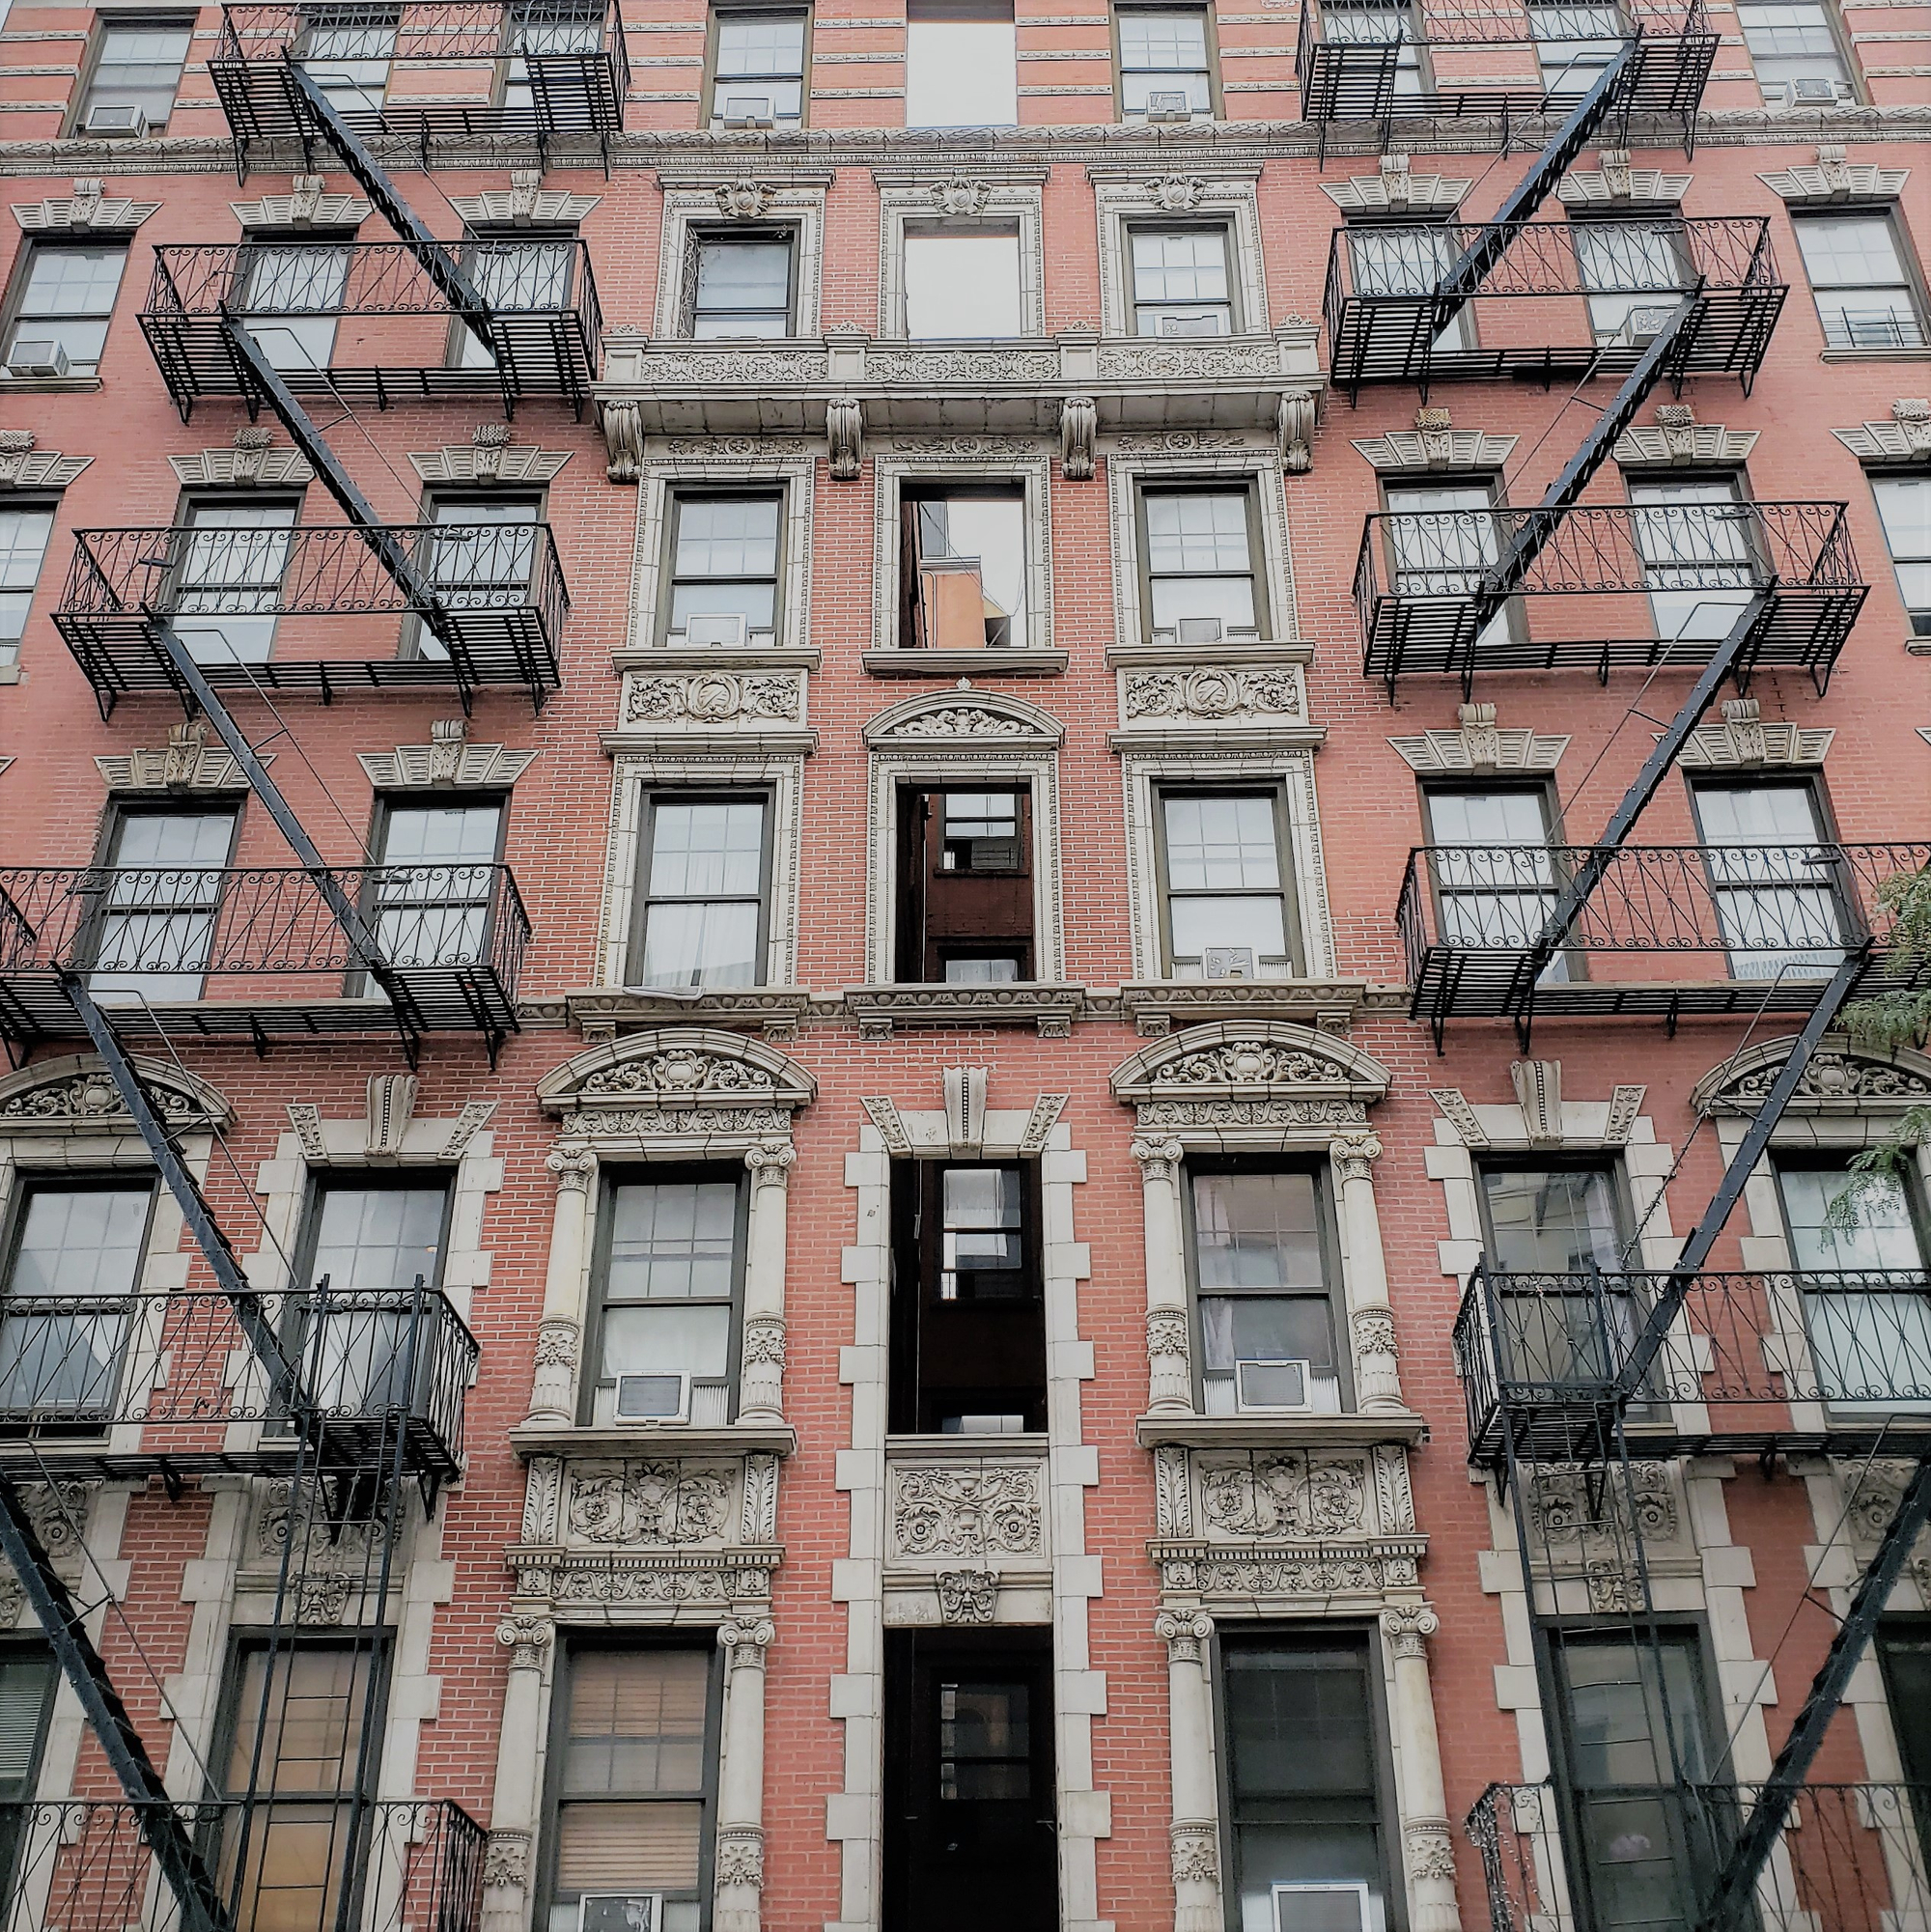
point(1905, 438)
point(1248, 1061)
point(186, 763)
point(252, 462)
point(1747, 739)
point(1615, 183)
point(488, 456)
point(308, 205)
point(524, 201)
point(1397, 189)
point(1840, 1079)
point(448, 759)
point(75, 1096)
point(1435, 443)
point(1678, 439)
point(24, 467)
point(89, 211)
point(678, 1079)
point(1836, 178)
point(1480, 745)
point(966, 716)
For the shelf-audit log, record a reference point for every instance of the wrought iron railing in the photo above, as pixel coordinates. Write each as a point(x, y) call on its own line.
point(80, 1865)
point(165, 1375)
point(1542, 1353)
point(1502, 22)
point(1851, 1859)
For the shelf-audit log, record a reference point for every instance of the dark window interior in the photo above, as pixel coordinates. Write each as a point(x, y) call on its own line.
point(965, 886)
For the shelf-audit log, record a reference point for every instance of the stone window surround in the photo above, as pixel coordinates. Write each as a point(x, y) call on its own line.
point(798, 205)
point(854, 1816)
point(1259, 469)
point(1144, 772)
point(1010, 198)
point(890, 473)
point(634, 773)
point(1229, 197)
point(660, 476)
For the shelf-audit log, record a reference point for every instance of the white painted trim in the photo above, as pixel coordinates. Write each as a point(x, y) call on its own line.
point(800, 209)
point(999, 203)
point(1206, 200)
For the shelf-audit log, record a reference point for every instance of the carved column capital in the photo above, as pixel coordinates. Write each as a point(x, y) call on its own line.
point(1196, 1852)
point(1374, 1333)
point(1408, 1626)
point(771, 1162)
point(527, 1639)
point(1431, 1849)
point(1184, 1633)
point(1353, 1156)
point(1158, 1157)
point(744, 1639)
point(574, 1166)
point(506, 1859)
point(740, 1856)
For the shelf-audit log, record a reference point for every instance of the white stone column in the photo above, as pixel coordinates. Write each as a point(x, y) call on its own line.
point(1171, 1390)
point(1425, 1834)
point(761, 1378)
point(1196, 1831)
point(513, 1809)
point(739, 1861)
point(1370, 1320)
point(560, 1333)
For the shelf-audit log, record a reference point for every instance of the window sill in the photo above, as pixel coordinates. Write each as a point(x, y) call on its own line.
point(771, 1439)
point(1158, 1006)
point(48, 385)
point(928, 1448)
point(1922, 353)
point(715, 658)
point(1280, 1432)
point(601, 1013)
point(987, 664)
point(1918, 647)
point(1052, 1006)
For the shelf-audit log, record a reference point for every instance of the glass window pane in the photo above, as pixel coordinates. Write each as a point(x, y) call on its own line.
point(961, 286)
point(991, 532)
point(1904, 505)
point(1550, 1220)
point(727, 537)
point(694, 1341)
point(1299, 1724)
point(377, 1239)
point(960, 72)
point(711, 847)
point(1883, 1234)
point(1256, 1230)
point(81, 1242)
point(673, 1240)
point(637, 1722)
point(1216, 843)
point(1198, 530)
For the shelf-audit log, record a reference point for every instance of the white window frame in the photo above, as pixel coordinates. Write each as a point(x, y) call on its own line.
point(927, 205)
point(1231, 199)
point(798, 205)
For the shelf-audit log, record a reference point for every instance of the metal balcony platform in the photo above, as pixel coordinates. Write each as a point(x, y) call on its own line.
point(364, 321)
point(1531, 320)
point(1420, 575)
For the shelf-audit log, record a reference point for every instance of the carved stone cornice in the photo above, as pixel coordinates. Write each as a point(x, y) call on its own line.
point(1836, 178)
point(992, 719)
point(677, 1084)
point(1434, 444)
point(1247, 1060)
point(1051, 1006)
point(449, 758)
point(89, 211)
point(73, 1095)
point(1905, 438)
point(251, 463)
point(601, 1012)
point(24, 467)
point(1840, 1080)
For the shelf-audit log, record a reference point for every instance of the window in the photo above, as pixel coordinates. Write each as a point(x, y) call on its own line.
point(961, 63)
point(1903, 1645)
point(1379, 23)
point(703, 890)
point(1635, 272)
point(1227, 910)
point(434, 889)
point(1199, 578)
point(526, 276)
point(1862, 1276)
point(59, 324)
point(27, 1680)
point(24, 530)
point(1903, 506)
point(961, 283)
point(1495, 889)
point(967, 1319)
point(666, 1324)
point(1442, 540)
point(1163, 53)
point(154, 934)
point(633, 1785)
point(963, 568)
point(1772, 878)
point(484, 562)
point(1309, 1809)
point(137, 63)
point(227, 582)
point(1262, 1275)
point(558, 28)
point(77, 1247)
point(1574, 42)
point(1694, 537)
point(302, 1702)
point(1633, 1718)
point(1795, 51)
point(757, 67)
point(1180, 281)
point(347, 49)
point(739, 285)
point(1865, 287)
point(724, 568)
point(965, 896)
point(291, 300)
point(1411, 261)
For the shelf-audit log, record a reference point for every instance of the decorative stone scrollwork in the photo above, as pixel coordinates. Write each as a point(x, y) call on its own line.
point(764, 1340)
point(1176, 193)
point(527, 1639)
point(967, 1596)
point(1296, 428)
point(968, 1510)
point(1374, 1334)
point(1285, 1494)
point(506, 1860)
point(1408, 1626)
point(740, 1856)
point(1173, 1491)
point(1216, 696)
point(320, 1600)
point(845, 436)
point(1353, 1157)
point(1196, 1854)
point(712, 697)
point(744, 1639)
point(1159, 1157)
point(961, 195)
point(771, 1163)
point(1184, 1633)
point(552, 1383)
point(1431, 1849)
point(1167, 1333)
point(572, 1167)
point(669, 1503)
point(1078, 428)
point(622, 439)
point(745, 199)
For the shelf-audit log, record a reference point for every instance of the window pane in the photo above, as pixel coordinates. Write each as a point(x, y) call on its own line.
point(637, 1722)
point(627, 1847)
point(727, 537)
point(699, 944)
point(442, 834)
point(23, 547)
point(139, 66)
point(1212, 844)
point(991, 532)
point(694, 1341)
point(81, 1242)
point(761, 43)
point(1198, 530)
point(713, 846)
point(962, 284)
point(960, 73)
point(375, 1238)
point(1555, 1220)
point(743, 288)
point(1256, 1231)
point(673, 1240)
point(314, 1710)
point(983, 1215)
point(1190, 266)
point(1883, 1235)
point(1904, 504)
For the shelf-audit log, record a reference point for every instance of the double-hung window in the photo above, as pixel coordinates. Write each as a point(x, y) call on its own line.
point(963, 568)
point(632, 1786)
point(137, 65)
point(1410, 262)
point(964, 910)
point(1575, 40)
point(961, 283)
point(667, 1319)
point(961, 63)
point(557, 28)
point(1493, 873)
point(1181, 285)
point(160, 898)
point(346, 50)
point(1164, 62)
point(1794, 50)
point(703, 889)
point(28, 1676)
point(290, 299)
point(232, 554)
point(757, 67)
point(738, 285)
point(1864, 283)
point(1227, 898)
point(61, 303)
point(724, 567)
point(1694, 537)
point(1379, 23)
point(434, 883)
point(482, 556)
point(1636, 273)
point(516, 275)
point(1773, 878)
point(1264, 1291)
point(1200, 574)
point(24, 530)
point(1904, 506)
point(1444, 539)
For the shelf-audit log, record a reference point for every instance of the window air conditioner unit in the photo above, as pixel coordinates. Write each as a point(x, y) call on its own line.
point(1317, 1905)
point(1641, 326)
point(1272, 1388)
point(748, 110)
point(716, 627)
point(1168, 108)
point(1204, 325)
point(1815, 90)
point(1228, 963)
point(620, 1912)
point(1200, 631)
point(647, 1398)
point(116, 123)
point(36, 358)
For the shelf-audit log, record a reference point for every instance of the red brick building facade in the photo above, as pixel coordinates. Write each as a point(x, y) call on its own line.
point(965, 1191)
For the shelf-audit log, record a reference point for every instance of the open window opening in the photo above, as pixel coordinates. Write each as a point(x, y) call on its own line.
point(966, 888)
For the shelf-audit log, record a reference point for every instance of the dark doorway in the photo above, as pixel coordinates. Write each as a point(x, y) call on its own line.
point(965, 886)
point(971, 1841)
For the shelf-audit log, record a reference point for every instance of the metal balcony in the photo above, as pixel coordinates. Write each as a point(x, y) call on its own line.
point(1495, 62)
point(152, 943)
point(363, 321)
point(1663, 585)
point(126, 1386)
point(261, 608)
point(1853, 1857)
point(80, 1865)
point(1801, 1361)
point(1566, 301)
point(425, 71)
point(1668, 930)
